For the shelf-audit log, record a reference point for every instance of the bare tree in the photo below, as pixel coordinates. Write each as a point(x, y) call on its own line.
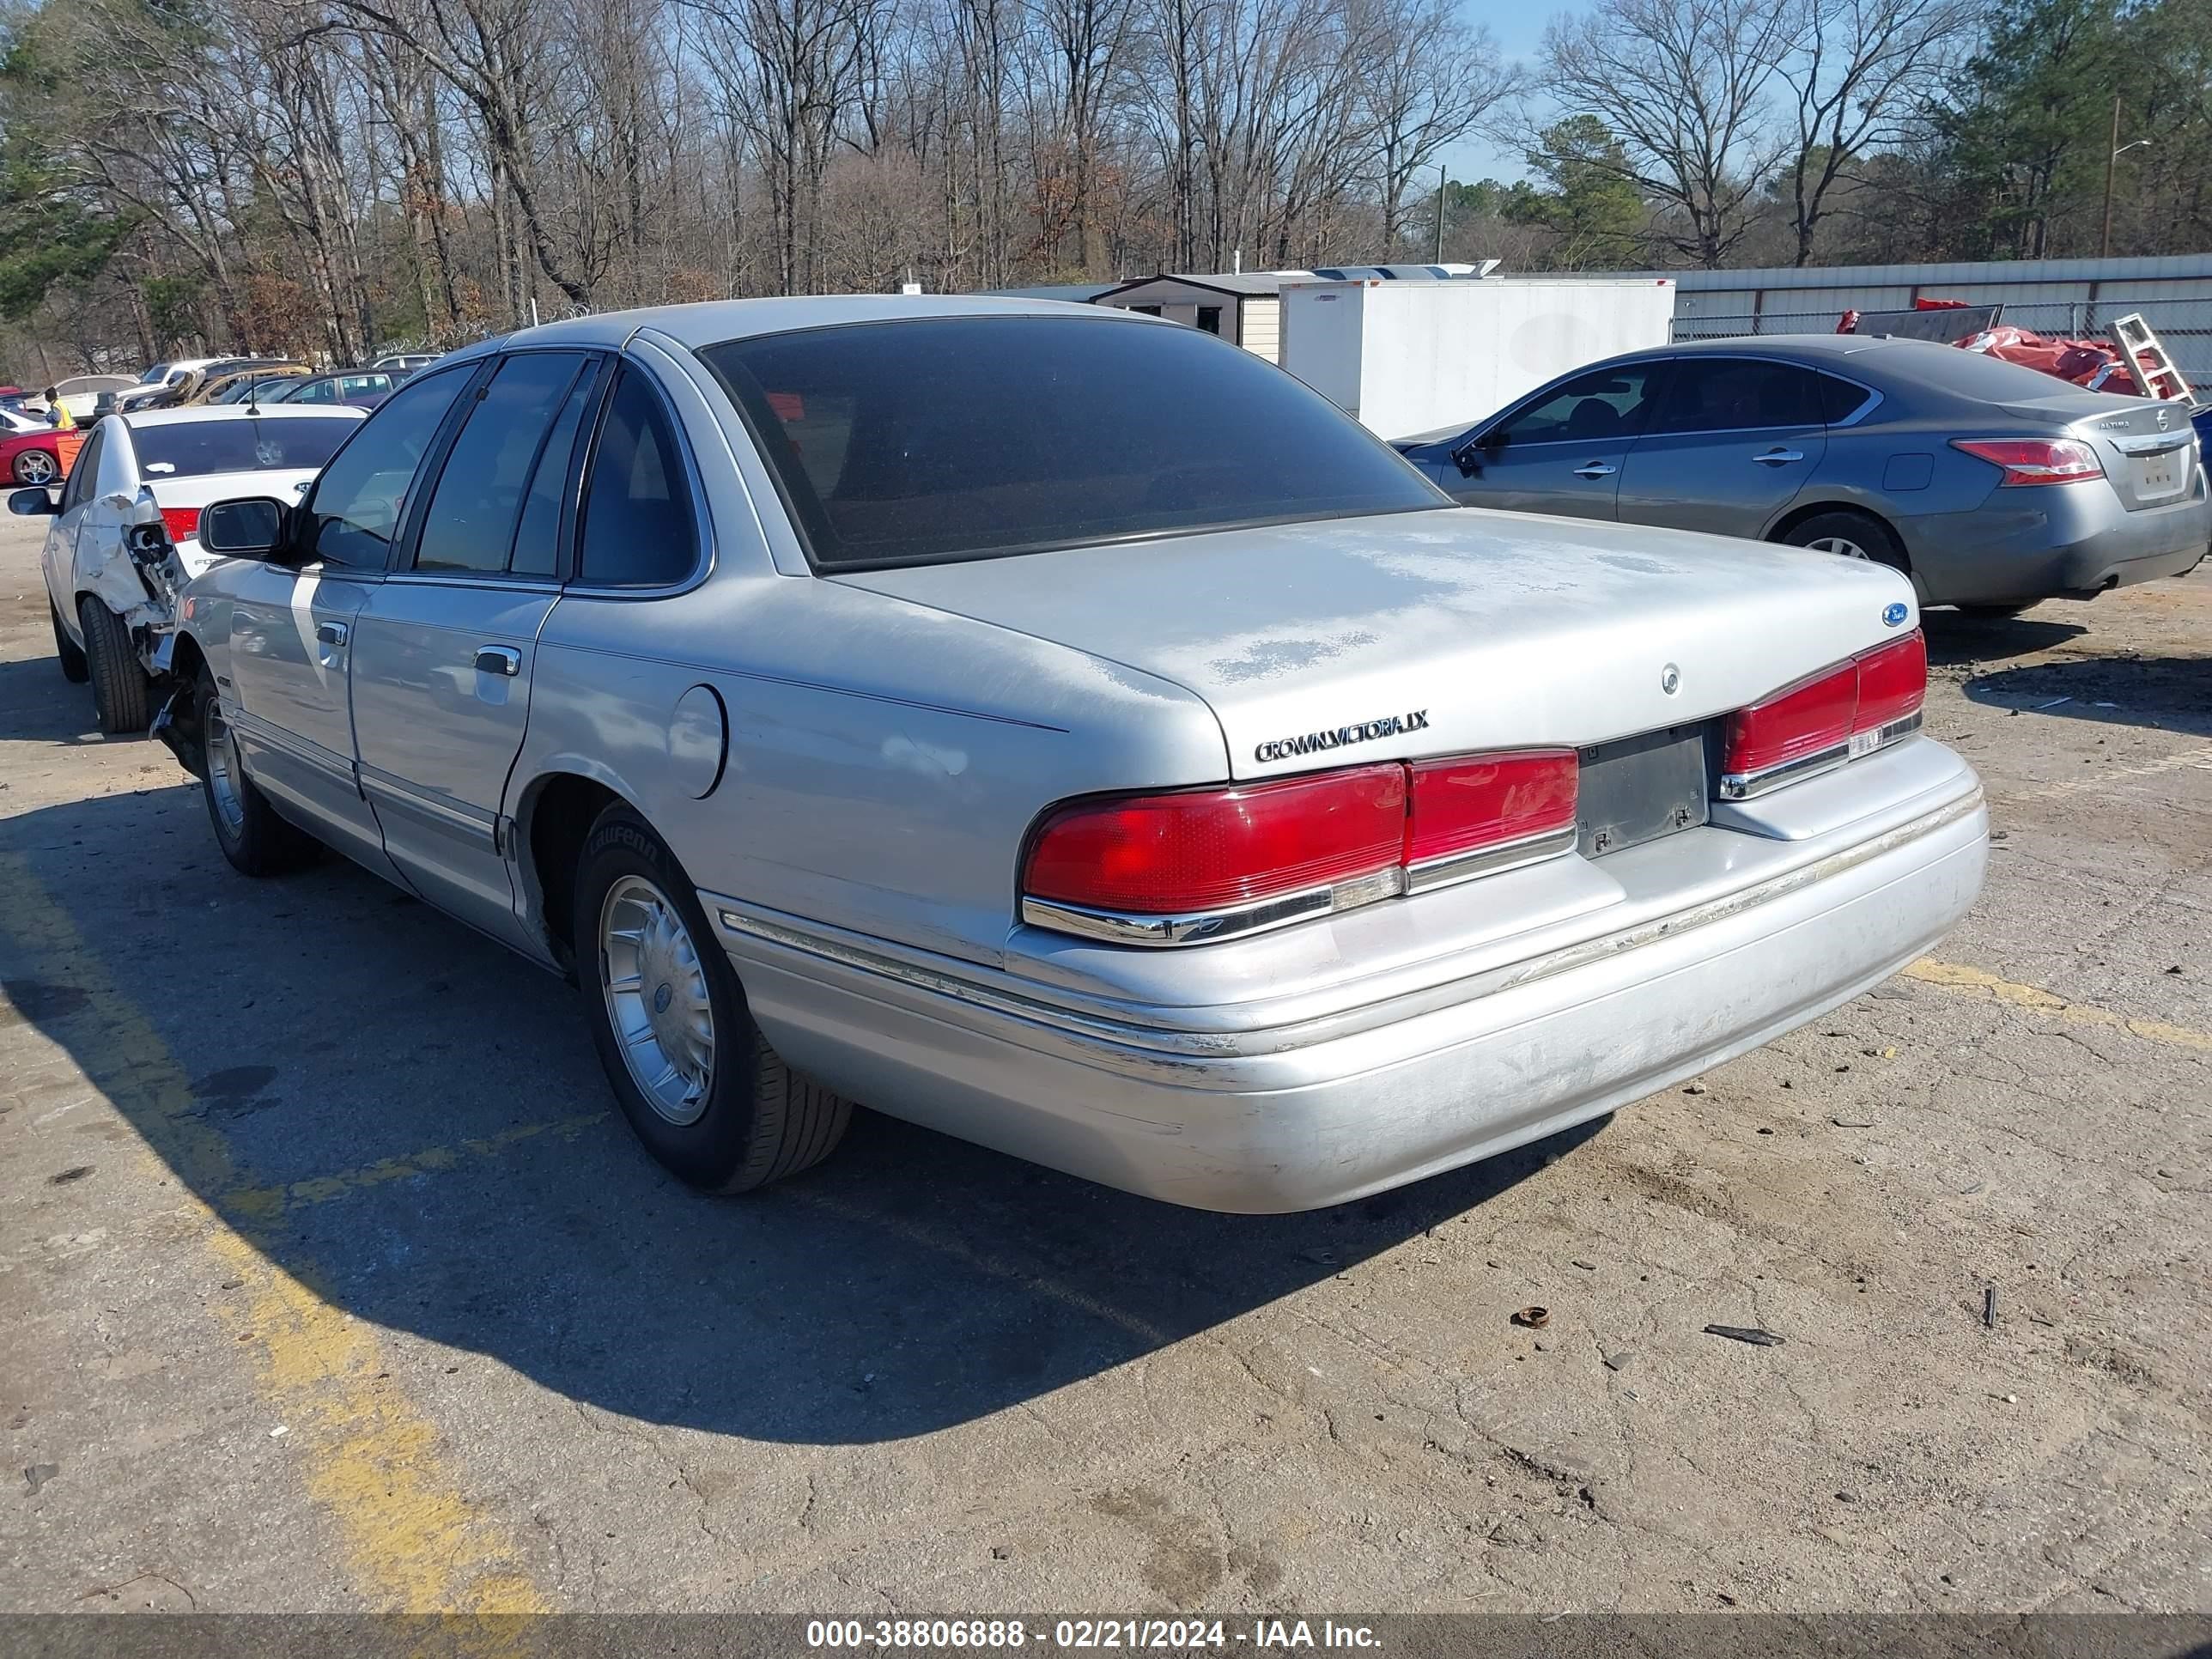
point(1426, 80)
point(1857, 72)
point(1685, 84)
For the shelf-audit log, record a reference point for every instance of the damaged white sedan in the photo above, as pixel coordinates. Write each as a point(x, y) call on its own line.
point(124, 537)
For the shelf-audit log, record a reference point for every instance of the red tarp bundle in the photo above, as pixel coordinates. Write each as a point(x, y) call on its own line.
point(2095, 364)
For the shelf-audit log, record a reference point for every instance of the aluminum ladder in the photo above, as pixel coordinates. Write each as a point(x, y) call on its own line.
point(2146, 361)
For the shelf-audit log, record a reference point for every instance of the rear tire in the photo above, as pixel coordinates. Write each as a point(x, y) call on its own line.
point(36, 467)
point(1854, 535)
point(74, 667)
point(699, 1083)
point(122, 696)
point(254, 837)
point(1995, 612)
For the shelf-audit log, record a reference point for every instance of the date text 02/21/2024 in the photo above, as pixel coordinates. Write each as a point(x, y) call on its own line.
point(1145, 1634)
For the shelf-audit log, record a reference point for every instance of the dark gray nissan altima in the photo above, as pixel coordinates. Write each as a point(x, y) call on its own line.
point(1990, 485)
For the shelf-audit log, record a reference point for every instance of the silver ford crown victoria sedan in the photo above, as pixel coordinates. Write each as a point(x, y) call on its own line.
point(1065, 730)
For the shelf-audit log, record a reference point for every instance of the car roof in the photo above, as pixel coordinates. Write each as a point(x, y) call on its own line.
point(1780, 345)
point(714, 321)
point(140, 421)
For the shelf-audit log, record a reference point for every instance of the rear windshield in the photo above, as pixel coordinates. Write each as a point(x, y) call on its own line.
point(184, 450)
point(958, 438)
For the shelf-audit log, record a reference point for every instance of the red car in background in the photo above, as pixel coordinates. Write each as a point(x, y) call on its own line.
point(28, 451)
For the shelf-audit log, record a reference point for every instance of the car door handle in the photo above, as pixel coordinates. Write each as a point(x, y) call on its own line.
point(1594, 470)
point(332, 633)
point(1779, 457)
point(498, 659)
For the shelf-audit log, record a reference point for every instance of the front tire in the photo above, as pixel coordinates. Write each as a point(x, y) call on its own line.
point(699, 1083)
point(122, 696)
point(254, 839)
point(36, 467)
point(75, 670)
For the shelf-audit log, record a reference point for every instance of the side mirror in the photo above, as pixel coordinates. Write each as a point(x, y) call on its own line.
point(31, 503)
point(250, 527)
point(1469, 455)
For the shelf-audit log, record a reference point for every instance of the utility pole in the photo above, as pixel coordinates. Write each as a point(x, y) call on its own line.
point(1441, 178)
point(2112, 153)
point(2112, 156)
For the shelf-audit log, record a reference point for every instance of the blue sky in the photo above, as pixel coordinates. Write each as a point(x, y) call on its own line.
point(1518, 30)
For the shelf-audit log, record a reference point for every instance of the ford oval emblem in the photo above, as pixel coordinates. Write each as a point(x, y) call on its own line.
point(1894, 615)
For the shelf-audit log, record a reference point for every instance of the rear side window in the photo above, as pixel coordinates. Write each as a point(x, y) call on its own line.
point(259, 442)
point(1840, 400)
point(470, 524)
point(1735, 394)
point(948, 438)
point(637, 529)
point(360, 494)
point(537, 536)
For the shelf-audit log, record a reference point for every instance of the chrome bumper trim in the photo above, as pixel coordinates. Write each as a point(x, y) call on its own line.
point(1743, 786)
point(1200, 927)
point(1490, 860)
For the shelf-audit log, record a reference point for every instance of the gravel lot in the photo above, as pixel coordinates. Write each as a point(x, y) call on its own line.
point(330, 1280)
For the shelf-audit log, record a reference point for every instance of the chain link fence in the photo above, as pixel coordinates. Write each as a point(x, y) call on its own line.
point(2185, 325)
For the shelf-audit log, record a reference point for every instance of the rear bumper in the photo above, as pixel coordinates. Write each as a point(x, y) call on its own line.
point(2072, 541)
point(1156, 1100)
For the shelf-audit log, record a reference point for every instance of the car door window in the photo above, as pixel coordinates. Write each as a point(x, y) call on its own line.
point(356, 507)
point(470, 522)
point(1607, 403)
point(1737, 394)
point(637, 529)
point(81, 471)
point(537, 535)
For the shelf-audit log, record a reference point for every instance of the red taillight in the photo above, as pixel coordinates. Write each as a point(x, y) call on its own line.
point(1892, 682)
point(1212, 849)
point(1805, 719)
point(1460, 806)
point(182, 523)
point(1206, 863)
point(2035, 460)
point(1848, 711)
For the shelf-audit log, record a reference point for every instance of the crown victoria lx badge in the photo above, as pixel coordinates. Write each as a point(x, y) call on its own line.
point(1365, 732)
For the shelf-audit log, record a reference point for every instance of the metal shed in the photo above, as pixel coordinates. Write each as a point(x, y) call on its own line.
point(1244, 308)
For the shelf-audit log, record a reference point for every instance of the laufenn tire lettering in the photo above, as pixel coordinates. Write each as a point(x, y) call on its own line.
point(1365, 732)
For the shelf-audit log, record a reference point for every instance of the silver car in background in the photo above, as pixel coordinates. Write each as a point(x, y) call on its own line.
point(1066, 730)
point(1992, 486)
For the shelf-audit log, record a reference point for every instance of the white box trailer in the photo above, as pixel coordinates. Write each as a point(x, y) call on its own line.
point(1403, 357)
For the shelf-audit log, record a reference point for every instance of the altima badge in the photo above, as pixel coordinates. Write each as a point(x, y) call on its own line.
point(1894, 615)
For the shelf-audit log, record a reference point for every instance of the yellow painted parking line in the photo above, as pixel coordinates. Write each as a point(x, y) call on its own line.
point(2104, 776)
point(413, 1542)
point(1972, 982)
point(262, 1203)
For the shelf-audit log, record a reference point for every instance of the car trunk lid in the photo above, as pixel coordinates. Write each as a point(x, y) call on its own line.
point(2148, 450)
point(1435, 633)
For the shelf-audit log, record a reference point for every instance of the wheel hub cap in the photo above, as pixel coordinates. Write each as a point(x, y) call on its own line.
point(657, 998)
